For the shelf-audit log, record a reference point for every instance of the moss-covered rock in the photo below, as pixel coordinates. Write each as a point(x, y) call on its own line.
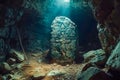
point(63, 39)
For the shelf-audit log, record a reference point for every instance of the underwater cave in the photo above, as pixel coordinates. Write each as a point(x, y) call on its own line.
point(59, 39)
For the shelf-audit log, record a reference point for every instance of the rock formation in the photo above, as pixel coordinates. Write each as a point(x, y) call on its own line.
point(63, 40)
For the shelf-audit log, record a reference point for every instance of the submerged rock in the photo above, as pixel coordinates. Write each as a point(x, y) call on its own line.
point(93, 73)
point(63, 40)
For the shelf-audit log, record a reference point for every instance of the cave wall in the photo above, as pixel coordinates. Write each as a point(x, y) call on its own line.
point(10, 13)
point(107, 13)
point(23, 17)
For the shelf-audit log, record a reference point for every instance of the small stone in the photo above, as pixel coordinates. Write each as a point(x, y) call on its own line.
point(67, 65)
point(19, 66)
point(55, 73)
point(38, 76)
point(54, 64)
point(11, 61)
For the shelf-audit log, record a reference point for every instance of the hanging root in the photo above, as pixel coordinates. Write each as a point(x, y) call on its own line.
point(21, 44)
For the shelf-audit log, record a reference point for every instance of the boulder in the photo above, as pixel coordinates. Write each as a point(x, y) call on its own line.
point(97, 57)
point(38, 76)
point(17, 55)
point(92, 73)
point(114, 59)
